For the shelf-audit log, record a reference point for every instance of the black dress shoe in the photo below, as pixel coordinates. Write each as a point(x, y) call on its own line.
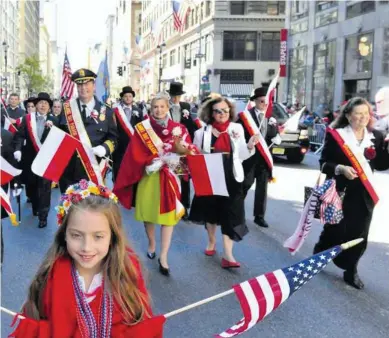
point(352, 278)
point(42, 224)
point(151, 255)
point(164, 271)
point(186, 215)
point(261, 222)
point(35, 213)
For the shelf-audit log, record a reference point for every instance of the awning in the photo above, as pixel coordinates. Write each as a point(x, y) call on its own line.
point(236, 89)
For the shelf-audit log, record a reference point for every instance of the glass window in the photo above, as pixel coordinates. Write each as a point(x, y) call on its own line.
point(270, 46)
point(239, 45)
point(385, 54)
point(172, 57)
point(299, 27)
point(297, 75)
point(359, 8)
point(179, 55)
point(299, 9)
point(359, 53)
point(237, 7)
point(237, 76)
point(208, 8)
point(164, 60)
point(323, 5)
point(326, 18)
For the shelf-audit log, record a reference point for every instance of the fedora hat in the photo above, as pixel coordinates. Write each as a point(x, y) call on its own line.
point(43, 97)
point(176, 89)
point(126, 90)
point(258, 92)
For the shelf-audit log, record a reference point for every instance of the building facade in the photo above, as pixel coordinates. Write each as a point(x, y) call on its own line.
point(228, 47)
point(337, 50)
point(134, 64)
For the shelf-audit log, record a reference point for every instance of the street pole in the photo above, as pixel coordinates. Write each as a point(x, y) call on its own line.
point(160, 47)
point(5, 46)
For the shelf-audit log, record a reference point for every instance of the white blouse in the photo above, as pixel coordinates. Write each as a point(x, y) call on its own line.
point(97, 282)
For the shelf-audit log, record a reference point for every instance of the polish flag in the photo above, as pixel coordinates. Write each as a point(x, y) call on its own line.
point(270, 95)
point(9, 126)
point(7, 171)
point(6, 204)
point(54, 155)
point(207, 173)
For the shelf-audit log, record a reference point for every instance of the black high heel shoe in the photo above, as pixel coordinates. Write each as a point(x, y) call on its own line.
point(164, 271)
point(151, 255)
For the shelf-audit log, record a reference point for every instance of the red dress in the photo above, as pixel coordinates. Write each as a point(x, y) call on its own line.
point(60, 310)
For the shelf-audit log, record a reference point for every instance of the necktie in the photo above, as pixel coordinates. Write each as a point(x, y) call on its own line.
point(128, 112)
point(40, 125)
point(83, 112)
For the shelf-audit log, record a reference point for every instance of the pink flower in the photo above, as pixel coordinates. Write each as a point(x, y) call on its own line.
point(84, 184)
point(94, 114)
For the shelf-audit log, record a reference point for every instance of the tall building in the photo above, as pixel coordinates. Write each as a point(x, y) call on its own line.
point(110, 22)
point(134, 63)
point(228, 47)
point(9, 46)
point(45, 50)
point(337, 50)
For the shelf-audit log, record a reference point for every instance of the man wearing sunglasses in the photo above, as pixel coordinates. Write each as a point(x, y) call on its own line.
point(255, 167)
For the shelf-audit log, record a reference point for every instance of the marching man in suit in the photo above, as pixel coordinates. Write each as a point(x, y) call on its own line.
point(256, 168)
point(92, 123)
point(180, 112)
point(127, 115)
point(34, 129)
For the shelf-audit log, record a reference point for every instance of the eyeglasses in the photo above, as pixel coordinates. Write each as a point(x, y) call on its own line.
point(221, 111)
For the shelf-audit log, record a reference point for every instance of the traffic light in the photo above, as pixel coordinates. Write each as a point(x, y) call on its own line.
point(120, 71)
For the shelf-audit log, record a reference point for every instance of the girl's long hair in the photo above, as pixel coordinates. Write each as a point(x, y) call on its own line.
point(120, 276)
point(342, 121)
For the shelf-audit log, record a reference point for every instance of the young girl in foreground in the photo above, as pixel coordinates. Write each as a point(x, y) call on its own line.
point(90, 283)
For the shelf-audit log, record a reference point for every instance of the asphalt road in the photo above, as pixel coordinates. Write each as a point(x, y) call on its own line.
point(325, 307)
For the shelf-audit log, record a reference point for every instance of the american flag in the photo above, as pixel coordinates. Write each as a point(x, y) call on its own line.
point(181, 9)
point(67, 84)
point(259, 296)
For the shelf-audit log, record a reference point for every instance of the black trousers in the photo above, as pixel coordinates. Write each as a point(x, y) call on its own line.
point(261, 175)
point(39, 191)
point(185, 193)
point(73, 173)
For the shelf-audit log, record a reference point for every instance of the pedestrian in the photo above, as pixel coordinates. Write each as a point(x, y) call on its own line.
point(31, 134)
point(222, 135)
point(90, 282)
point(180, 113)
point(150, 161)
point(365, 150)
point(29, 105)
point(127, 115)
point(256, 168)
point(13, 111)
point(92, 123)
point(57, 107)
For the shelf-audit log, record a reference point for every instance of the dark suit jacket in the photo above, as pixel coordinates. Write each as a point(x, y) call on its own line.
point(7, 152)
point(332, 155)
point(187, 121)
point(12, 113)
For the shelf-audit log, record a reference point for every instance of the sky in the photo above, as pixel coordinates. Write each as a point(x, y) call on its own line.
point(81, 24)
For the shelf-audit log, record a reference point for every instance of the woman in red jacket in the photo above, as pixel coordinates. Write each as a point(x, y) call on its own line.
point(90, 283)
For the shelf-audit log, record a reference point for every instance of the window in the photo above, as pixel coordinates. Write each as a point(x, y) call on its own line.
point(172, 57)
point(139, 17)
point(270, 46)
point(197, 15)
point(237, 76)
point(297, 74)
point(164, 60)
point(202, 12)
point(140, 31)
point(239, 45)
point(266, 7)
point(208, 8)
point(237, 7)
point(323, 5)
point(124, 7)
point(385, 54)
point(359, 54)
point(179, 55)
point(359, 8)
point(326, 18)
point(299, 27)
point(299, 9)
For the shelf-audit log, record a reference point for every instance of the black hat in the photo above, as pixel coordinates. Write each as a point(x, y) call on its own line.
point(43, 97)
point(30, 99)
point(83, 75)
point(258, 92)
point(176, 89)
point(126, 90)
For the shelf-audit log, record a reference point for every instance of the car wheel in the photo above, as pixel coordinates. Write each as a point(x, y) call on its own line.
point(295, 156)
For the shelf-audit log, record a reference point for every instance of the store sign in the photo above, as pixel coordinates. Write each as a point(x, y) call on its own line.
point(283, 51)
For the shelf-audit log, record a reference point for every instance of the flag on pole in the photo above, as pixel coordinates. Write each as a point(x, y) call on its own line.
point(259, 296)
point(67, 85)
point(270, 95)
point(207, 176)
point(8, 125)
point(7, 171)
point(102, 81)
point(139, 44)
point(181, 10)
point(293, 122)
point(54, 155)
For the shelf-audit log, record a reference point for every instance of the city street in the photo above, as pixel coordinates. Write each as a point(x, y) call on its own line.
point(325, 307)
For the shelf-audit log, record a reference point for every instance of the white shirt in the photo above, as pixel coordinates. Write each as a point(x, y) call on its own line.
point(89, 106)
point(97, 281)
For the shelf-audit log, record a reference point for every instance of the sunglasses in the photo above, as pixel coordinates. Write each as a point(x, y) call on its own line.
point(221, 111)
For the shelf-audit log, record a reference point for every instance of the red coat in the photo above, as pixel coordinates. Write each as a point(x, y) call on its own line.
point(60, 310)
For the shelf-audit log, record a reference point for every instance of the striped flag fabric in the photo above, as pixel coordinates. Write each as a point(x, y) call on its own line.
point(67, 85)
point(8, 125)
point(181, 10)
point(259, 296)
point(270, 95)
point(7, 171)
point(6, 204)
point(207, 177)
point(54, 155)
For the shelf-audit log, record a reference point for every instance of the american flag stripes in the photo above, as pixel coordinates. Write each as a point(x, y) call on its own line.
point(181, 9)
point(259, 296)
point(67, 84)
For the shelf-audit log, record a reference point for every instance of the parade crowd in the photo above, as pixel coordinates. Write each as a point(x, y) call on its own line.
point(90, 282)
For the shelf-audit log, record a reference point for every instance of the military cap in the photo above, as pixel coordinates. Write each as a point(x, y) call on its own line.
point(83, 75)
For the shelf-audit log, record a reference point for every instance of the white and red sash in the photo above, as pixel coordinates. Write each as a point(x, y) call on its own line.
point(78, 131)
point(33, 131)
point(124, 122)
point(252, 129)
point(6, 204)
point(357, 159)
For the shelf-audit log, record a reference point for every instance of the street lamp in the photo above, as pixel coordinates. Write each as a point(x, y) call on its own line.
point(5, 47)
point(160, 47)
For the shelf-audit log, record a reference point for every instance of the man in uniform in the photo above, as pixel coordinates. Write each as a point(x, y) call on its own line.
point(92, 121)
point(13, 111)
point(127, 115)
point(180, 112)
point(255, 167)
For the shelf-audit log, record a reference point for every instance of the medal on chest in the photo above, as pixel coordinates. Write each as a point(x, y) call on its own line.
point(102, 114)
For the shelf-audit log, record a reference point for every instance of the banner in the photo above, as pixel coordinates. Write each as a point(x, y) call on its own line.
point(283, 51)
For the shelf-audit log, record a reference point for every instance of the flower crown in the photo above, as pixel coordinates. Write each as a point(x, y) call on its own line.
point(78, 192)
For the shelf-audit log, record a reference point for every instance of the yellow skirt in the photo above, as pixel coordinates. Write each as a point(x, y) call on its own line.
point(148, 198)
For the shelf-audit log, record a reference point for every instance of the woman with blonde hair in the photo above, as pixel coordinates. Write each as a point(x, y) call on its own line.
point(223, 135)
point(90, 283)
point(152, 159)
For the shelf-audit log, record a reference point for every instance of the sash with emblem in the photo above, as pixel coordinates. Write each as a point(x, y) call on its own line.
point(123, 120)
point(33, 131)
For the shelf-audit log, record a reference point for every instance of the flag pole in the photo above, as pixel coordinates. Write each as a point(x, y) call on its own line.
point(344, 246)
